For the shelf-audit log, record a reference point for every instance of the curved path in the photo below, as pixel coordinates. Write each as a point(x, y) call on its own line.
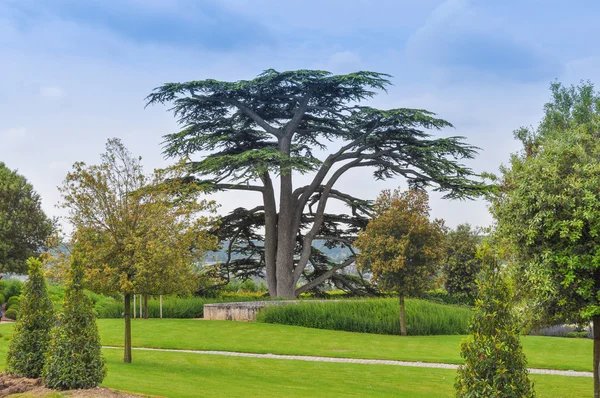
point(350, 360)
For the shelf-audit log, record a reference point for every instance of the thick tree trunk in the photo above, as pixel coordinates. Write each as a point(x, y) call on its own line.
point(402, 317)
point(270, 235)
point(127, 316)
point(286, 234)
point(596, 327)
point(145, 306)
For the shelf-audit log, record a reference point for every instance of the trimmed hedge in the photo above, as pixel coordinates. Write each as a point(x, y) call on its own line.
point(372, 316)
point(11, 314)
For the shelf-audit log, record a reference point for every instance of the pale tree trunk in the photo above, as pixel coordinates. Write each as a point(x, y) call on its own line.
point(127, 316)
point(402, 316)
point(596, 327)
point(270, 234)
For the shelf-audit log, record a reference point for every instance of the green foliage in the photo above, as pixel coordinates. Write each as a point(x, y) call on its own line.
point(581, 335)
point(14, 301)
point(24, 228)
point(11, 314)
point(2, 300)
point(371, 316)
point(460, 266)
point(31, 333)
point(173, 307)
point(443, 297)
point(74, 358)
point(495, 364)
point(13, 288)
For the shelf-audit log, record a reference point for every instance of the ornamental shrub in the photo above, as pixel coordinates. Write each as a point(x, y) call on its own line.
point(1, 299)
point(495, 365)
point(11, 314)
point(13, 288)
point(14, 301)
point(74, 359)
point(31, 334)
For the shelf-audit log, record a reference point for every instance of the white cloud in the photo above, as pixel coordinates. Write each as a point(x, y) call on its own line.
point(344, 62)
point(53, 92)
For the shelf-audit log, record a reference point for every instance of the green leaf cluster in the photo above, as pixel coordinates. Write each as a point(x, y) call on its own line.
point(31, 333)
point(24, 228)
point(74, 359)
point(495, 365)
point(461, 264)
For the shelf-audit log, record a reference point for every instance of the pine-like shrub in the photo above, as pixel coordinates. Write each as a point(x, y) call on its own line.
point(31, 334)
point(11, 314)
point(495, 364)
point(74, 358)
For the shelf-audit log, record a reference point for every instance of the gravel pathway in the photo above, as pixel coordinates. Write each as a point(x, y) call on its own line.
point(351, 360)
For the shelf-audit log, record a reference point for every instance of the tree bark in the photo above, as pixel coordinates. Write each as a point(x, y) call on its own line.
point(270, 234)
point(402, 316)
point(145, 306)
point(596, 327)
point(127, 316)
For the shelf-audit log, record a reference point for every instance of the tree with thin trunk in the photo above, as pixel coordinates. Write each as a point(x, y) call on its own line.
point(547, 207)
point(135, 234)
point(401, 246)
point(250, 133)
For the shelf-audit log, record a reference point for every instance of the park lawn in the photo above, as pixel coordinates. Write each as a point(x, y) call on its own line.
point(542, 352)
point(172, 374)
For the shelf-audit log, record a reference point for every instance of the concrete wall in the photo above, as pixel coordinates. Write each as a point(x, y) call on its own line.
point(244, 311)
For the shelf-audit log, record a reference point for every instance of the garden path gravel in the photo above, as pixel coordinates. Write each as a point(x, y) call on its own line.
point(351, 360)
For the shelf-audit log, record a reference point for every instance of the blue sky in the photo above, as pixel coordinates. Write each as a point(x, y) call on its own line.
point(75, 73)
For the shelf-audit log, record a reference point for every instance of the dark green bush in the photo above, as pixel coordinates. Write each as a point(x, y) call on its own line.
point(13, 288)
point(13, 301)
point(371, 316)
point(28, 347)
point(495, 365)
point(1, 299)
point(576, 334)
point(11, 314)
point(74, 359)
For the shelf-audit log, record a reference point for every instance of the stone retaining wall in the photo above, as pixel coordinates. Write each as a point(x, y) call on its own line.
point(243, 311)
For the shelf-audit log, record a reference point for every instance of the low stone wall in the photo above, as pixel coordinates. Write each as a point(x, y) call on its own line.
point(243, 311)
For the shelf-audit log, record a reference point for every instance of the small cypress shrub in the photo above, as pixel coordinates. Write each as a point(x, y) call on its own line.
point(31, 334)
point(495, 364)
point(74, 359)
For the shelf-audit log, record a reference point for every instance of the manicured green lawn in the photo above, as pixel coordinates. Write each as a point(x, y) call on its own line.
point(542, 352)
point(191, 375)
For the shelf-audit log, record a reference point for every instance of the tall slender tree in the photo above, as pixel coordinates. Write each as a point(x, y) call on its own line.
point(249, 132)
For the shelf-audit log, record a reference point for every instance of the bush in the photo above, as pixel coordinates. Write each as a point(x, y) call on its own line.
point(11, 314)
point(13, 288)
point(13, 301)
point(494, 361)
point(74, 359)
point(1, 299)
point(581, 335)
point(31, 333)
point(371, 316)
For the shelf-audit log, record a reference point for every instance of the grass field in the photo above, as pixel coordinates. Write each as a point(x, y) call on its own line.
point(186, 375)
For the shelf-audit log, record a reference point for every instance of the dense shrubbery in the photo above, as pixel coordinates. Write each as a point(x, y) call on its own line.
point(31, 333)
point(173, 307)
point(11, 314)
point(11, 288)
point(371, 316)
point(13, 302)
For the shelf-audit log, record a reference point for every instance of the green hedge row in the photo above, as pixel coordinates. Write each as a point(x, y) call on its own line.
point(372, 316)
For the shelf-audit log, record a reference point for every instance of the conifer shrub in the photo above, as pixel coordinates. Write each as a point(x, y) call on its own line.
point(31, 333)
point(74, 359)
point(495, 365)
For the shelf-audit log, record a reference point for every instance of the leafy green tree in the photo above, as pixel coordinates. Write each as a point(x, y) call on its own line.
point(461, 264)
point(135, 234)
point(401, 246)
point(495, 365)
point(74, 359)
point(249, 132)
point(31, 334)
point(548, 209)
point(24, 228)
